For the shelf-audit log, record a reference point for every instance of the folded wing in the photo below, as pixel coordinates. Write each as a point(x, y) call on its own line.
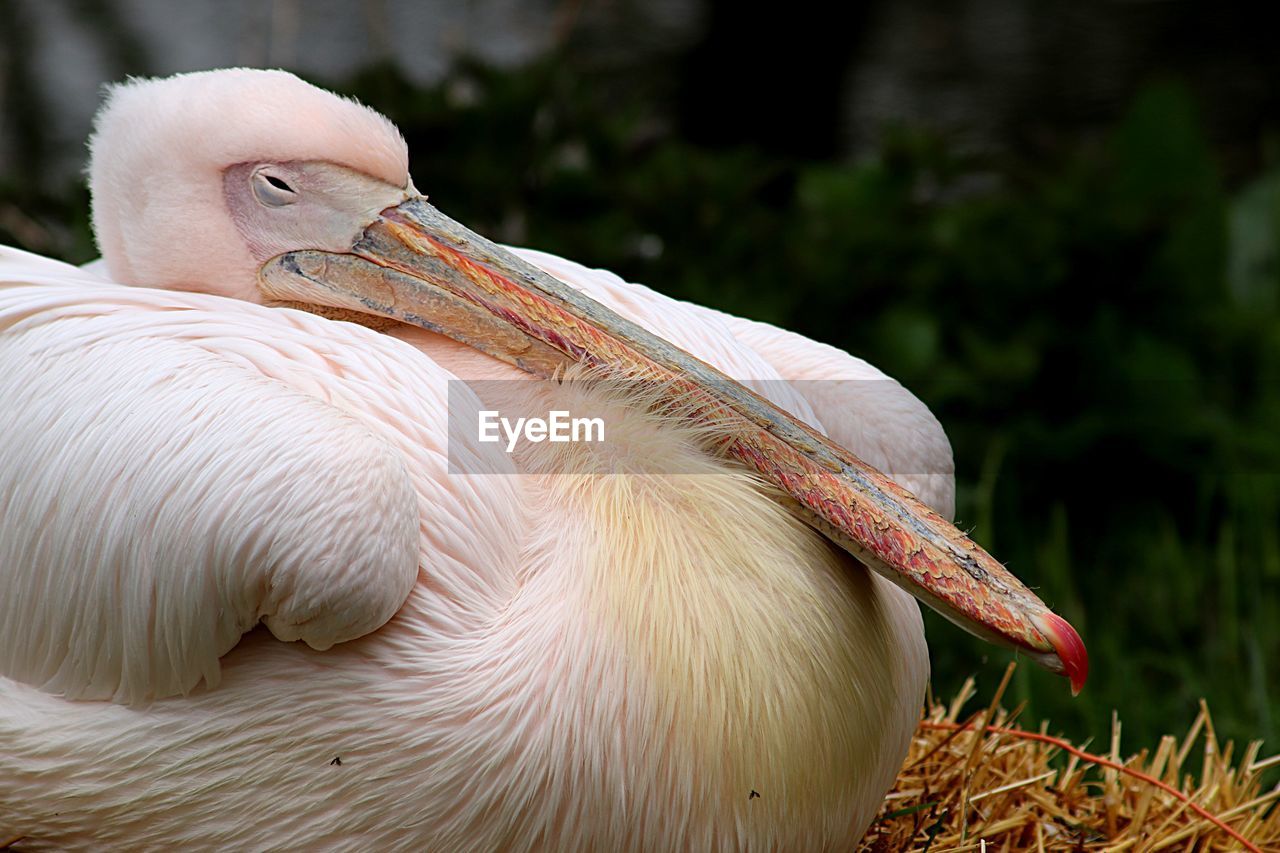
point(159, 498)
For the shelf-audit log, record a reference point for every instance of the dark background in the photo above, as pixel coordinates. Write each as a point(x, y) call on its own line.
point(1057, 223)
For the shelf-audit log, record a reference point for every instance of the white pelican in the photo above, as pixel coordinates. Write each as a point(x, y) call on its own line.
point(192, 477)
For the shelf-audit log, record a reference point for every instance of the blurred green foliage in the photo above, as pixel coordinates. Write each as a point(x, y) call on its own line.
point(1098, 332)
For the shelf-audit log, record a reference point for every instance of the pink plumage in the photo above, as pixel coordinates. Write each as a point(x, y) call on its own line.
point(519, 661)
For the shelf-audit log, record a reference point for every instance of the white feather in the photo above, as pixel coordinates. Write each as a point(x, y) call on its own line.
point(508, 660)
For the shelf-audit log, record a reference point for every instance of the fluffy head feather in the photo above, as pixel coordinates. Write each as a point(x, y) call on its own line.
point(159, 148)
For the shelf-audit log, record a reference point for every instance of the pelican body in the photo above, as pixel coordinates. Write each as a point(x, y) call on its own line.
point(258, 591)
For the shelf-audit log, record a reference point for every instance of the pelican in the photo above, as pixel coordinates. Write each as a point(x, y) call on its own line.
point(262, 587)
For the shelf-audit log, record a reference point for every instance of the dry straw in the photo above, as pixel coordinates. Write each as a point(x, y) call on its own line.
point(986, 784)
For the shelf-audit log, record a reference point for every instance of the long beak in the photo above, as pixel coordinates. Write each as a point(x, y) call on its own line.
point(416, 265)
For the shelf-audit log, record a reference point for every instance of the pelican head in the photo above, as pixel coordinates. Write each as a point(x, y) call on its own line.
point(258, 186)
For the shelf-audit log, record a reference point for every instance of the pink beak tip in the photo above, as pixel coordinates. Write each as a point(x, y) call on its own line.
point(1071, 651)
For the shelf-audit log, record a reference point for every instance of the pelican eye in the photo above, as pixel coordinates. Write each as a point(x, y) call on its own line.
point(272, 190)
